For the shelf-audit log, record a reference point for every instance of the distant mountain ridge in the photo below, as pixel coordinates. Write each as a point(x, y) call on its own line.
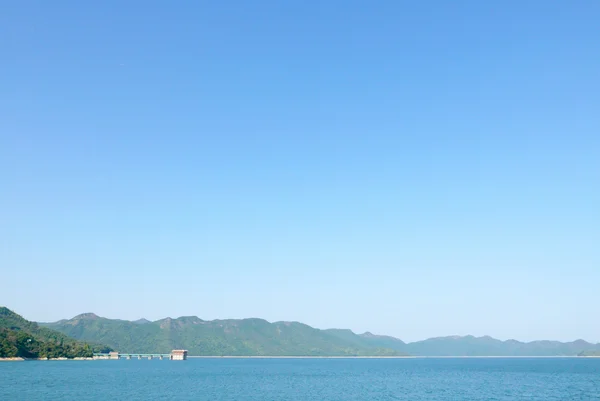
point(258, 337)
point(488, 346)
point(480, 346)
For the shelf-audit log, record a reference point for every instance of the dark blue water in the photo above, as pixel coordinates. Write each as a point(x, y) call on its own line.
point(304, 379)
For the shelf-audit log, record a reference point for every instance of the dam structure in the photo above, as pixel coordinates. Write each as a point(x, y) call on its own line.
point(175, 355)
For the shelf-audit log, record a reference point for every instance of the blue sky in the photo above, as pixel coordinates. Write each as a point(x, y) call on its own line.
point(410, 168)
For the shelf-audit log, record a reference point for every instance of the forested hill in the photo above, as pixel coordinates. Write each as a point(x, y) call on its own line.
point(22, 338)
point(257, 337)
point(245, 337)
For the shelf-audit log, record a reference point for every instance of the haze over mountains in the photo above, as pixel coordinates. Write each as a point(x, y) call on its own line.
point(257, 337)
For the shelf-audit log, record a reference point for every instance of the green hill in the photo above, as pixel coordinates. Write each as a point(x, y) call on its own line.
point(257, 337)
point(369, 340)
point(245, 337)
point(25, 339)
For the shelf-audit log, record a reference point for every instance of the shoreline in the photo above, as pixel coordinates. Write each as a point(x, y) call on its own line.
point(387, 357)
point(19, 359)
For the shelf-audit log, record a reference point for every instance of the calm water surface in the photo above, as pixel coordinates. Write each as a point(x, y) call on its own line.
point(304, 379)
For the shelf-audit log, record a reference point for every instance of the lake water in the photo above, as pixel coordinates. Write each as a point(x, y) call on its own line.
point(453, 379)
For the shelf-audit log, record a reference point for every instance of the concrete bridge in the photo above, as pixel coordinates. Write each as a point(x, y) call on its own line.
point(175, 355)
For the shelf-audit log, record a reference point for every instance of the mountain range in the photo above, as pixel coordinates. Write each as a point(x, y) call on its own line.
point(244, 337)
point(258, 337)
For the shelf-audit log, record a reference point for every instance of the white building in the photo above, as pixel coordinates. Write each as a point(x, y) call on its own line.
point(179, 355)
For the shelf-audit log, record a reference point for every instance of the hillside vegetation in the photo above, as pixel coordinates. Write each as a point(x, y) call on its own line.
point(257, 337)
point(24, 339)
point(246, 337)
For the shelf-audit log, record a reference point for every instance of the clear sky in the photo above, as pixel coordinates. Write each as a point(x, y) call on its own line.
point(416, 169)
